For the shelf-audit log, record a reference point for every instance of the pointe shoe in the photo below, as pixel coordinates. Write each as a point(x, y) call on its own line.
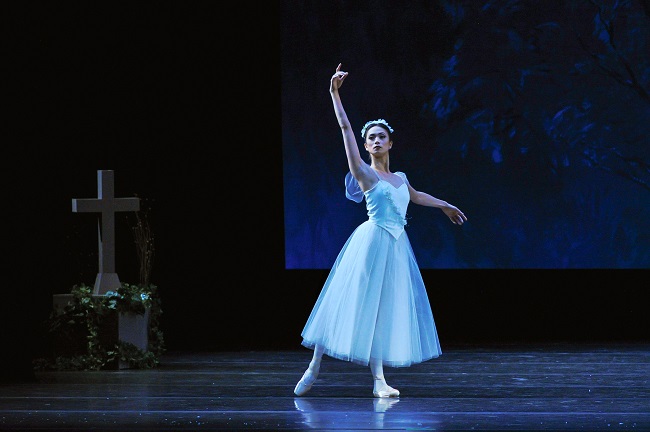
point(305, 383)
point(386, 392)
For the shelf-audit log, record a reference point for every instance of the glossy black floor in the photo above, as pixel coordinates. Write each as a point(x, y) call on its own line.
point(496, 388)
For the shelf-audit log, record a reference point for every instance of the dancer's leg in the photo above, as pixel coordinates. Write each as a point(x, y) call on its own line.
point(380, 387)
point(314, 364)
point(310, 375)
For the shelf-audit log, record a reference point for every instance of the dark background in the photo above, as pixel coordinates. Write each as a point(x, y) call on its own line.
point(183, 101)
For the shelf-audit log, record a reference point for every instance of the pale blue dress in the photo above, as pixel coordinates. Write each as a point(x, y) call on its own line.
point(373, 304)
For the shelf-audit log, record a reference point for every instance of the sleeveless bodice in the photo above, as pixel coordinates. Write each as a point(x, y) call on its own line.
point(386, 205)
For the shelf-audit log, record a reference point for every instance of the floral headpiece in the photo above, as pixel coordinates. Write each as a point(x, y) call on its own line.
point(371, 122)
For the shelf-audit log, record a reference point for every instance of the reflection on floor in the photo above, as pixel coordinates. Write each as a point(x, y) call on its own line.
point(495, 388)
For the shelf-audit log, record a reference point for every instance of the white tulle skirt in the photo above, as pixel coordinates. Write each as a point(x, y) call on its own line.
point(373, 304)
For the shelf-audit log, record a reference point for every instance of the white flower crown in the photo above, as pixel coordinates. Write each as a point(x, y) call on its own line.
point(371, 122)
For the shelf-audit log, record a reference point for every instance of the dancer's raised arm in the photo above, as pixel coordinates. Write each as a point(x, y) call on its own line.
point(358, 167)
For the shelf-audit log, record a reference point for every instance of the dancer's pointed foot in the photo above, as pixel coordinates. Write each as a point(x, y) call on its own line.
point(383, 390)
point(386, 393)
point(305, 383)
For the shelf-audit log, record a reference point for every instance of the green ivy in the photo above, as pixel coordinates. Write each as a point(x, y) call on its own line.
point(78, 327)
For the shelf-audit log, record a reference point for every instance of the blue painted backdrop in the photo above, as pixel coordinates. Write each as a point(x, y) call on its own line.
point(532, 117)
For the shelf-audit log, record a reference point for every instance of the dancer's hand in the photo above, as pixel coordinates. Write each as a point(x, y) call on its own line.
point(337, 79)
point(454, 214)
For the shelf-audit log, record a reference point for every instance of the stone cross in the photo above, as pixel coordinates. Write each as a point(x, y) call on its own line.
point(106, 204)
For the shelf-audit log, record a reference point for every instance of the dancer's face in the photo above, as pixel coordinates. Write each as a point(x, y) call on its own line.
point(377, 140)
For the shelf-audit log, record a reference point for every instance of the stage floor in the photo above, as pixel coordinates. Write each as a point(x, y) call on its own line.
point(551, 387)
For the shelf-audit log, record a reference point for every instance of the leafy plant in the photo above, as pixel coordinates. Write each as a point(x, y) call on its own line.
point(144, 242)
point(80, 331)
